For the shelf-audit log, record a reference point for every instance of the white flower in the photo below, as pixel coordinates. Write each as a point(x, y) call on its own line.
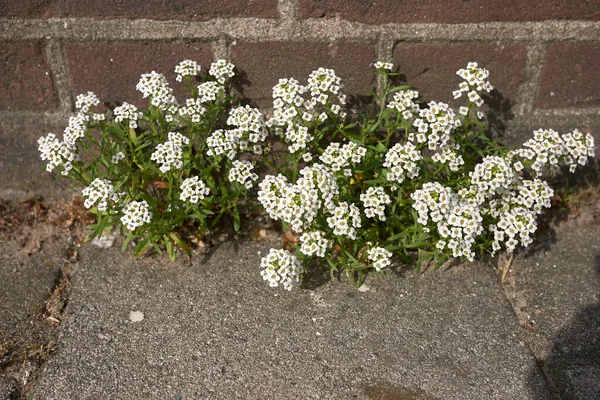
point(127, 112)
point(241, 172)
point(379, 257)
point(344, 220)
point(374, 200)
point(136, 214)
point(186, 68)
point(280, 267)
point(99, 193)
point(193, 110)
point(314, 243)
point(402, 161)
point(155, 86)
point(449, 156)
point(193, 190)
point(404, 102)
point(223, 142)
point(117, 157)
point(475, 82)
point(56, 153)
point(222, 70)
point(169, 154)
point(209, 91)
point(84, 102)
point(384, 65)
point(250, 126)
point(434, 125)
point(338, 157)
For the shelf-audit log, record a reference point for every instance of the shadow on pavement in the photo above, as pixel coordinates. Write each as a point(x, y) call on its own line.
point(573, 365)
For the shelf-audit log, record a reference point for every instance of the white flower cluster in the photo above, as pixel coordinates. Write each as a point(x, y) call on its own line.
point(433, 200)
point(193, 109)
point(186, 68)
point(56, 154)
point(76, 129)
point(344, 220)
point(458, 221)
point(318, 177)
point(513, 224)
point(223, 141)
point(402, 161)
point(170, 153)
point(475, 82)
point(241, 172)
point(128, 112)
point(314, 243)
point(404, 102)
point(281, 267)
point(222, 70)
point(155, 86)
point(459, 228)
point(136, 214)
point(379, 257)
point(516, 213)
point(434, 125)
point(288, 202)
point(193, 190)
point(250, 128)
point(209, 91)
point(577, 149)
point(99, 193)
point(548, 148)
point(117, 157)
point(493, 175)
point(299, 204)
point(337, 156)
point(450, 157)
point(384, 65)
point(374, 200)
point(84, 102)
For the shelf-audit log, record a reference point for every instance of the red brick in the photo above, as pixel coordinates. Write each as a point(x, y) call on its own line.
point(112, 70)
point(262, 64)
point(570, 76)
point(186, 10)
point(449, 11)
point(25, 81)
point(431, 68)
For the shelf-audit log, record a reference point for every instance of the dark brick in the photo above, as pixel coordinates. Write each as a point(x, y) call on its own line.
point(431, 69)
point(23, 172)
point(25, 81)
point(570, 76)
point(262, 64)
point(112, 70)
point(187, 10)
point(450, 11)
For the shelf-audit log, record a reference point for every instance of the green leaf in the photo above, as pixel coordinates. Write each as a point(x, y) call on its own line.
point(236, 218)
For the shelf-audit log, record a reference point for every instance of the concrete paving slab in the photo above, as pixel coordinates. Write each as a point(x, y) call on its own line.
point(559, 290)
point(215, 330)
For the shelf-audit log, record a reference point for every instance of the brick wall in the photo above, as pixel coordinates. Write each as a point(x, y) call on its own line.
point(543, 55)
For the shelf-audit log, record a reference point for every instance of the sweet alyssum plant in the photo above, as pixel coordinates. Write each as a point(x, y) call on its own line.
point(354, 191)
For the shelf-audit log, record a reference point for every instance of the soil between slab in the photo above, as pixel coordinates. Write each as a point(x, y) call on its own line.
point(215, 330)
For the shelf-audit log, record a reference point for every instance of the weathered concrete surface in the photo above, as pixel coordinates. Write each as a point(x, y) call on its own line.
point(215, 330)
point(558, 287)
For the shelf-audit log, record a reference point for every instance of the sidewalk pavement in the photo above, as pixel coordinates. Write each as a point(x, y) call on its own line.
point(215, 330)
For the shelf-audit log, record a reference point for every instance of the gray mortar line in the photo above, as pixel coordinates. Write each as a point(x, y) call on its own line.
point(220, 48)
point(289, 29)
point(527, 92)
point(34, 119)
point(56, 62)
point(289, 10)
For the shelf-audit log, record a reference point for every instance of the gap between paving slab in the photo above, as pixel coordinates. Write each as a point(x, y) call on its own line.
point(215, 330)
